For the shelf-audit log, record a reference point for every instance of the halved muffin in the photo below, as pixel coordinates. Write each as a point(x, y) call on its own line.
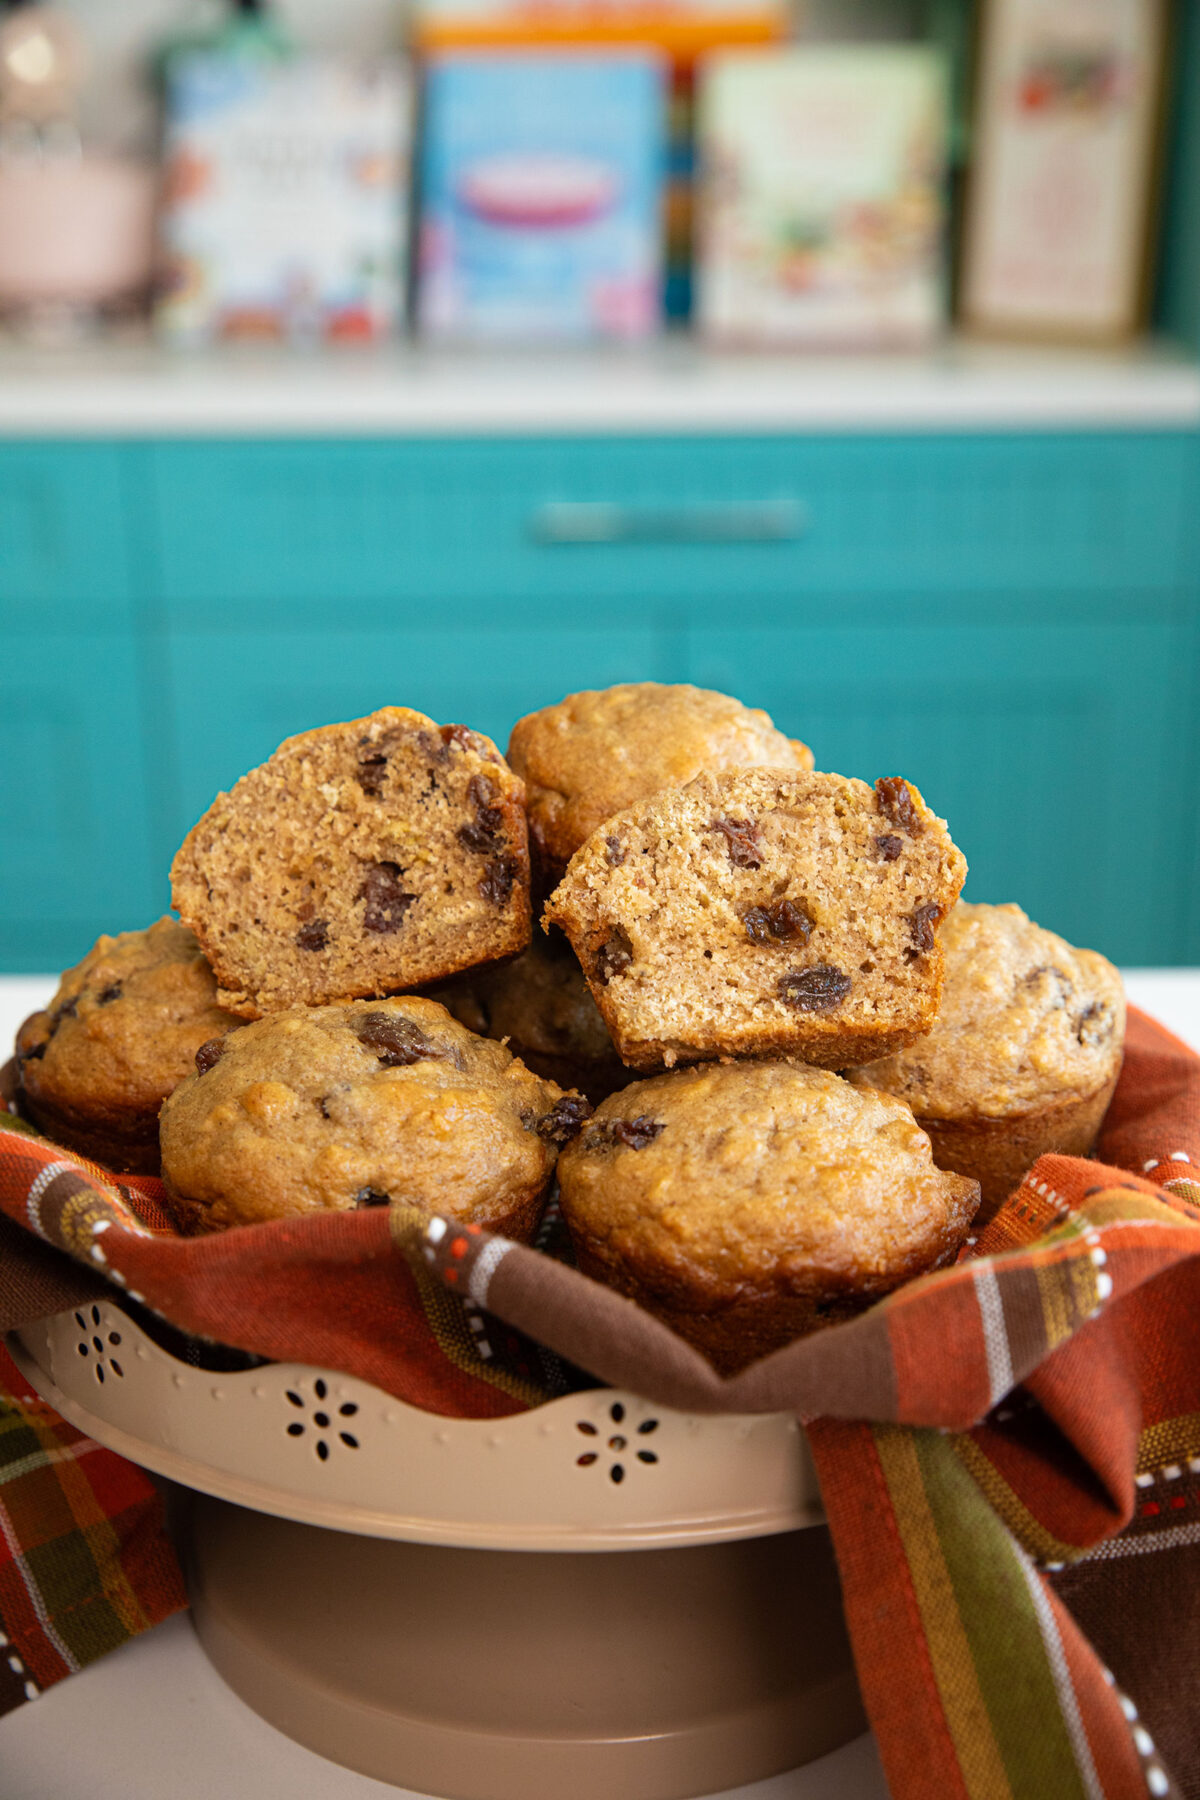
point(764, 912)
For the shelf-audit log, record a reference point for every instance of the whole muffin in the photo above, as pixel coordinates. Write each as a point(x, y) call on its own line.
point(120, 1035)
point(597, 752)
point(541, 1007)
point(334, 1107)
point(1023, 1057)
point(747, 1204)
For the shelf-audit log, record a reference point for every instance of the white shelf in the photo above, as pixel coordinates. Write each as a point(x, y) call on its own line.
point(137, 390)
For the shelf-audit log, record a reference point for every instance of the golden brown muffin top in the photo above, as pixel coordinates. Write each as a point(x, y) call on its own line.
point(125, 1024)
point(599, 751)
point(1025, 1019)
point(729, 1180)
point(336, 1107)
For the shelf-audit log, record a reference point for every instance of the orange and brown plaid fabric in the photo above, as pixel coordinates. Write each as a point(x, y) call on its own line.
point(1009, 1449)
point(84, 1560)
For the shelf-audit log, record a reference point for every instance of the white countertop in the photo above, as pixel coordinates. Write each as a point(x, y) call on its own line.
point(154, 1719)
point(142, 390)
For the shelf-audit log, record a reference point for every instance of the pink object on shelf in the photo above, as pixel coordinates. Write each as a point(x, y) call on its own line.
point(78, 231)
point(537, 191)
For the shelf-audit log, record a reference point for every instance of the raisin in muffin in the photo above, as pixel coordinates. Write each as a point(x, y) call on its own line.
point(335, 1107)
point(1025, 1053)
point(746, 1204)
point(120, 1035)
point(361, 859)
point(541, 1008)
point(596, 753)
point(764, 911)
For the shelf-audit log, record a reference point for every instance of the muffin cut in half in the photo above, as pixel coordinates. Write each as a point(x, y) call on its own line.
point(541, 1008)
point(597, 752)
point(332, 1108)
point(1025, 1053)
point(120, 1034)
point(764, 911)
point(361, 859)
point(747, 1204)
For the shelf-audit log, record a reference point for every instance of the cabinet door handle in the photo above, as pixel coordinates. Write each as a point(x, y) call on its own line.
point(711, 522)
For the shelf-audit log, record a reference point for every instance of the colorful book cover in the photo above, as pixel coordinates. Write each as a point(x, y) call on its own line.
point(285, 205)
point(821, 196)
point(541, 192)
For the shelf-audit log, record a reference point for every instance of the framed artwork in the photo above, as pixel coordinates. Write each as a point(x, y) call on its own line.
point(820, 208)
point(1062, 173)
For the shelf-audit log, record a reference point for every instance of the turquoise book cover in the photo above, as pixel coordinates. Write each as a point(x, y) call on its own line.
point(542, 193)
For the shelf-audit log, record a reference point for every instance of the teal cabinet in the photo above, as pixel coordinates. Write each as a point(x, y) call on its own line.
point(64, 538)
point(74, 802)
point(355, 534)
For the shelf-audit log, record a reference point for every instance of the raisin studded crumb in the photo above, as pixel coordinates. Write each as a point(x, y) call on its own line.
point(764, 911)
point(361, 859)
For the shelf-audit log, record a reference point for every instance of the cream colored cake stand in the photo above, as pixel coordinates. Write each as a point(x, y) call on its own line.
point(421, 1598)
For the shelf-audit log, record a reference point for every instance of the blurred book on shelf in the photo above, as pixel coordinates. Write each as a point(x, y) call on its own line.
point(541, 188)
point(820, 211)
point(1065, 148)
point(285, 203)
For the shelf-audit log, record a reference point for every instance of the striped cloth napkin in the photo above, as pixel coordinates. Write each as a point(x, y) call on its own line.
point(1009, 1450)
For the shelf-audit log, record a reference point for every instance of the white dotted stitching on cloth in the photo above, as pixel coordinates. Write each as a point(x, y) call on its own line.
point(1171, 1472)
point(1147, 1166)
point(98, 1254)
point(482, 1348)
point(435, 1231)
point(1180, 1156)
point(1104, 1285)
point(32, 1691)
point(1144, 1481)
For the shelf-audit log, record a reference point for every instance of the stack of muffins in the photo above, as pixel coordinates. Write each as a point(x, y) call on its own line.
point(807, 1058)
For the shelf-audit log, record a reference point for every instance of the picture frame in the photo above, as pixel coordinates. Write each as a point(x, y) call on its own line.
point(1063, 172)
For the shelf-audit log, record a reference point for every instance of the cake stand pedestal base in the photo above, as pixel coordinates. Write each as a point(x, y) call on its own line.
point(519, 1675)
